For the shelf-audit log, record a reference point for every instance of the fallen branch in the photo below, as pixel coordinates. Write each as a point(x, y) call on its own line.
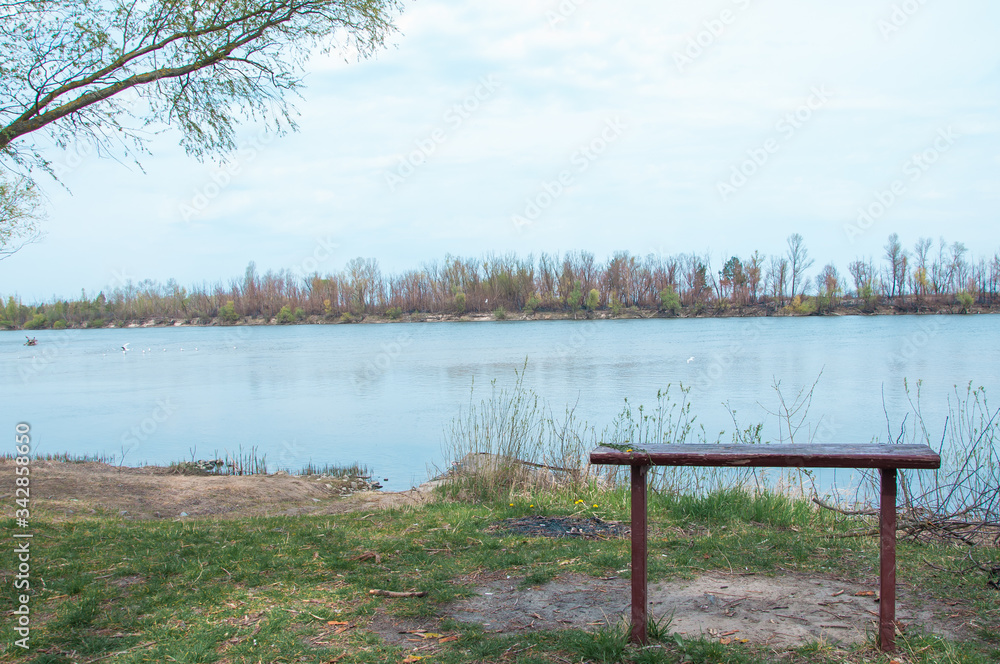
point(533, 464)
point(393, 593)
point(123, 652)
point(865, 512)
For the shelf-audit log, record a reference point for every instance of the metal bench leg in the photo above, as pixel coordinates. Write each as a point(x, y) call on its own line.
point(639, 554)
point(887, 572)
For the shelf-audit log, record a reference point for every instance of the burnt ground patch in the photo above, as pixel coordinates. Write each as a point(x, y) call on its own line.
point(562, 526)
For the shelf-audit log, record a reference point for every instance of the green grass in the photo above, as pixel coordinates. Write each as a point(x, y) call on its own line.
point(264, 589)
point(336, 470)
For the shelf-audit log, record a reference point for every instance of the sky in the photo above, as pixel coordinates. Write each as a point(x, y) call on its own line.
point(659, 127)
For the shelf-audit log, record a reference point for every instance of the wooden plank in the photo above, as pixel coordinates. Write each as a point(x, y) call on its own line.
point(782, 456)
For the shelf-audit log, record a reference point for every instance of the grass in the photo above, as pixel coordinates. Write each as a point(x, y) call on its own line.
point(66, 457)
point(282, 588)
point(336, 470)
point(239, 463)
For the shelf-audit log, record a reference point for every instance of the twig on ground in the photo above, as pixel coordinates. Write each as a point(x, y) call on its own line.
point(393, 593)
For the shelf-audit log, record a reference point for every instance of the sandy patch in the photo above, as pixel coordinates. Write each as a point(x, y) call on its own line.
point(788, 610)
point(68, 490)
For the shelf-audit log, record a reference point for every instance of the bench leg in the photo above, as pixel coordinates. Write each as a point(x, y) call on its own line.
point(887, 572)
point(639, 554)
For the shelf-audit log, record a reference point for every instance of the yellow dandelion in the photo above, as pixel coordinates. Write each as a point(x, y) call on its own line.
point(595, 504)
point(512, 504)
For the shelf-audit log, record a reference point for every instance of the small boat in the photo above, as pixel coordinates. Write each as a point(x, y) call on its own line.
point(31, 341)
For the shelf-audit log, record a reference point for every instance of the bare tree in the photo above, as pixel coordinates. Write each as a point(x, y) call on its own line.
point(777, 279)
point(920, 272)
point(897, 257)
point(754, 272)
point(798, 262)
point(828, 287)
point(863, 275)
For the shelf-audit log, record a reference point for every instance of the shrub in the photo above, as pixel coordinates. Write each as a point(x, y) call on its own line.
point(575, 297)
point(460, 303)
point(670, 301)
point(869, 298)
point(394, 312)
point(500, 313)
point(593, 299)
point(300, 314)
point(346, 318)
point(37, 322)
point(965, 301)
point(7, 325)
point(801, 306)
point(96, 323)
point(532, 304)
point(284, 316)
point(227, 313)
point(500, 442)
point(824, 303)
point(615, 305)
point(59, 325)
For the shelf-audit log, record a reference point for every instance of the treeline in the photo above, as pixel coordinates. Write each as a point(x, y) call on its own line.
point(928, 277)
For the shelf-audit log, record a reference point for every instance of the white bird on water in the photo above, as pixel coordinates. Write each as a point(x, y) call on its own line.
point(125, 347)
point(691, 359)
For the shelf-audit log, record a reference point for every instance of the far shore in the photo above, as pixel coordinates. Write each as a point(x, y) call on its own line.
point(753, 311)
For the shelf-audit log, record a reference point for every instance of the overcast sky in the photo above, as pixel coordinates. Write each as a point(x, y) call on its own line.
point(539, 125)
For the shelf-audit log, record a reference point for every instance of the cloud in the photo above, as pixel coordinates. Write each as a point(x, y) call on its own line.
point(559, 81)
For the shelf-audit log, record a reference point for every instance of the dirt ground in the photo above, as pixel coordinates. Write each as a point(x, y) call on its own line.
point(67, 489)
point(778, 611)
point(782, 611)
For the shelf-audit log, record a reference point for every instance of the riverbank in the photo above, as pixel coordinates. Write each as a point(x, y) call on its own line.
point(72, 489)
point(631, 313)
point(473, 585)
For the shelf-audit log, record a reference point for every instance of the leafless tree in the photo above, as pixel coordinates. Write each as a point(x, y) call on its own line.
point(897, 257)
point(798, 262)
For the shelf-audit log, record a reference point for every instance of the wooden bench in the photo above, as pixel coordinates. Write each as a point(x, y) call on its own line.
point(887, 458)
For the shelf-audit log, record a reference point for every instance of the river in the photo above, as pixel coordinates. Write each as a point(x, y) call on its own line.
point(383, 395)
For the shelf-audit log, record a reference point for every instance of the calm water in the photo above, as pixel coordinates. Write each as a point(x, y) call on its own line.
point(383, 395)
